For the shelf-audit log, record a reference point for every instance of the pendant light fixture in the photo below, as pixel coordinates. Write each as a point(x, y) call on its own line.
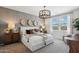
point(44, 14)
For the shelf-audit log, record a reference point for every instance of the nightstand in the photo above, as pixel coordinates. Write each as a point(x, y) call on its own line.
point(8, 38)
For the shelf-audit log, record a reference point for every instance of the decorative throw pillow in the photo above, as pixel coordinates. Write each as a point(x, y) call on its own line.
point(36, 30)
point(29, 31)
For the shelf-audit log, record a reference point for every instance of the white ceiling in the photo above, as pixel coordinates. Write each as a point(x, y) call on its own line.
point(34, 10)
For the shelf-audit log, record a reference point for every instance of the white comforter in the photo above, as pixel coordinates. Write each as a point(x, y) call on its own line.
point(47, 38)
point(34, 42)
point(35, 39)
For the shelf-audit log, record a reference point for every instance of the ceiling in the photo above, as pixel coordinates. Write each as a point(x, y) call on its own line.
point(34, 10)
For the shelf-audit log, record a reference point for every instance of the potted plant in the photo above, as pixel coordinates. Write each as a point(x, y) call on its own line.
point(76, 23)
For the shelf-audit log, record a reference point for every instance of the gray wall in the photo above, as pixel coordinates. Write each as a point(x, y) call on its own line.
point(13, 17)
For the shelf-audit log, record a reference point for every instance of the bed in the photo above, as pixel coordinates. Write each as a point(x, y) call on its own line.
point(34, 41)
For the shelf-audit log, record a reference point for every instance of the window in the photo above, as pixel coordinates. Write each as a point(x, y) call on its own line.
point(55, 24)
point(60, 23)
point(64, 22)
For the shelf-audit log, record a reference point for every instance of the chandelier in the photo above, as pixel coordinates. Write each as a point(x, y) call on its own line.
point(44, 14)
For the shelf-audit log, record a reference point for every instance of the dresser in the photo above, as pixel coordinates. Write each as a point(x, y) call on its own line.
point(73, 44)
point(8, 38)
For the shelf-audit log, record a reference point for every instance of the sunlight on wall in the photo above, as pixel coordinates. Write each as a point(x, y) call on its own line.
point(11, 25)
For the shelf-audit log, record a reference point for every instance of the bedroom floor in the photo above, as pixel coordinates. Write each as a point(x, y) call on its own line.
point(14, 48)
point(57, 47)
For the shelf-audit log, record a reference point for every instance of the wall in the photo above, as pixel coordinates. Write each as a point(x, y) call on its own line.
point(13, 17)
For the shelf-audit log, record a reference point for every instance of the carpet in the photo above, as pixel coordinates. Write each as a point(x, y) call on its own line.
point(14, 48)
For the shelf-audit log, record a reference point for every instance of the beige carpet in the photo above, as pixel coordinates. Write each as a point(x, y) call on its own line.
point(14, 48)
point(57, 47)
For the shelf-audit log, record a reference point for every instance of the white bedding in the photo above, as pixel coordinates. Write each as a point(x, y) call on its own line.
point(35, 41)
